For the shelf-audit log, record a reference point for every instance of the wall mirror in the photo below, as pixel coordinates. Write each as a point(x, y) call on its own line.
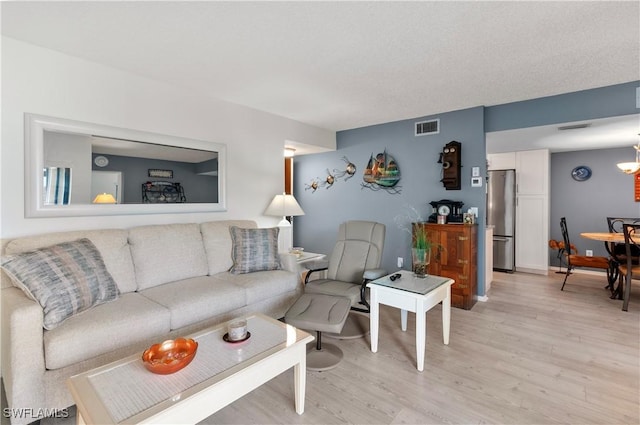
point(75, 168)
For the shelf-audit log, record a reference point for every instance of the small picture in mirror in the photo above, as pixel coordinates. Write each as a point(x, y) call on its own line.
point(166, 174)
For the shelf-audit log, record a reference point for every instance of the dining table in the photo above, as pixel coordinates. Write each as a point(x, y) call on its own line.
point(610, 239)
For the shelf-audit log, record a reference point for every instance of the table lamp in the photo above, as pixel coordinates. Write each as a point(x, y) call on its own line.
point(284, 206)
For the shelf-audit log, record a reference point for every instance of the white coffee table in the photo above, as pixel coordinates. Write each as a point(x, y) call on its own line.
point(417, 295)
point(126, 392)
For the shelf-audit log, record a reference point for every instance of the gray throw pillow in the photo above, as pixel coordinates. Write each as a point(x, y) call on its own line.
point(254, 250)
point(65, 279)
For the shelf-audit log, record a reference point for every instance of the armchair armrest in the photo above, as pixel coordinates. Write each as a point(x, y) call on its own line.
point(315, 266)
point(373, 274)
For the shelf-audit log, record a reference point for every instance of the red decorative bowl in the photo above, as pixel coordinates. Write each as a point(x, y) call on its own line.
point(169, 356)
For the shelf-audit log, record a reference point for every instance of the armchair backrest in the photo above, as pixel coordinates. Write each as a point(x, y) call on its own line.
point(358, 248)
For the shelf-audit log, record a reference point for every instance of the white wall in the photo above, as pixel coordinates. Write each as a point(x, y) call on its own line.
point(46, 82)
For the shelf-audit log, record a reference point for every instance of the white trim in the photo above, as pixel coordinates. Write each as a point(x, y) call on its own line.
point(35, 126)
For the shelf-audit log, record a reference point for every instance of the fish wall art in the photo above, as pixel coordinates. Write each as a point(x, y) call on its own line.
point(332, 177)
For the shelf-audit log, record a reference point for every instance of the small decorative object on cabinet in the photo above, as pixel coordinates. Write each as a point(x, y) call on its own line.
point(456, 258)
point(451, 160)
point(452, 210)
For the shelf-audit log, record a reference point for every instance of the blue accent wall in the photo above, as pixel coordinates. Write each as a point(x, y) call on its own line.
point(586, 204)
point(603, 102)
point(417, 158)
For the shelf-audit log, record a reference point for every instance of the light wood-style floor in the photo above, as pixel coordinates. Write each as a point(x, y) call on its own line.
point(530, 355)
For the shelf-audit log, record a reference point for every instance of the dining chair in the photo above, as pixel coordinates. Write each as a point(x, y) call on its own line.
point(630, 269)
point(615, 225)
point(576, 260)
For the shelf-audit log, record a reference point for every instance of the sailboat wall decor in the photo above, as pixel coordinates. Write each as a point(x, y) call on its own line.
point(382, 173)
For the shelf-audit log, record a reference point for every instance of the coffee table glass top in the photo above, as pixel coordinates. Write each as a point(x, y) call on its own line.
point(128, 388)
point(408, 282)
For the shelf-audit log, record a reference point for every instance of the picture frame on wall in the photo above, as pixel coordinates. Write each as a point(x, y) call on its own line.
point(165, 174)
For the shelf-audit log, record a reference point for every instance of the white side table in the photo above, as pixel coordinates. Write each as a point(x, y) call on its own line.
point(409, 293)
point(307, 257)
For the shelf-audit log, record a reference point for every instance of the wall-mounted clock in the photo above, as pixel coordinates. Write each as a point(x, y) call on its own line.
point(581, 173)
point(101, 161)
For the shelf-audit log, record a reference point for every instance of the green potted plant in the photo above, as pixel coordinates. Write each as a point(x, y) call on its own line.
point(411, 221)
point(420, 249)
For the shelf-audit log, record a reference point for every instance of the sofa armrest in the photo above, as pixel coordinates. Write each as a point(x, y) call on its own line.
point(289, 262)
point(23, 363)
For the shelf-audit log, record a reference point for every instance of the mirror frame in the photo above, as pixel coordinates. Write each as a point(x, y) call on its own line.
point(35, 127)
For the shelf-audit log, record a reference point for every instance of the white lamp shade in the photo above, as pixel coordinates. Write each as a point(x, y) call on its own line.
point(631, 167)
point(284, 206)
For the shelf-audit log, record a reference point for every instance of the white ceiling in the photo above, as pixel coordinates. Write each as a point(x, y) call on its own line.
point(343, 65)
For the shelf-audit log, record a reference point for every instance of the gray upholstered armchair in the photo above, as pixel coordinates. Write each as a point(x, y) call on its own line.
point(354, 261)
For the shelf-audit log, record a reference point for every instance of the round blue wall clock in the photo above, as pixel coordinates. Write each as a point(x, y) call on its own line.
point(581, 173)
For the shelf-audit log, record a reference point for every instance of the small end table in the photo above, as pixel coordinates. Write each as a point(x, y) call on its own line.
point(409, 293)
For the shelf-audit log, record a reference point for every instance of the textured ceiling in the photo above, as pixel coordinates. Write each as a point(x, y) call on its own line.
point(342, 65)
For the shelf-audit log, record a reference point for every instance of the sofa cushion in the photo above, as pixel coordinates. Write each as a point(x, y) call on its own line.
point(254, 250)
point(217, 242)
point(262, 285)
point(196, 299)
point(112, 244)
point(105, 328)
point(166, 253)
point(65, 279)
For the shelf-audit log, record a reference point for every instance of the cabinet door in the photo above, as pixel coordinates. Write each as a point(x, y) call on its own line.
point(532, 172)
point(532, 234)
point(501, 161)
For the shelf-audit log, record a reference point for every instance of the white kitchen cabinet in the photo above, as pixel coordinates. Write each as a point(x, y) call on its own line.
point(532, 172)
point(501, 161)
point(532, 211)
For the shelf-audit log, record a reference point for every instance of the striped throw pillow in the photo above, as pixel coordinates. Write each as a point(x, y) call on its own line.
point(254, 250)
point(65, 279)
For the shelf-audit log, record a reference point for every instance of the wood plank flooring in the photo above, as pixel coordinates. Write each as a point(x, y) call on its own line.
point(530, 355)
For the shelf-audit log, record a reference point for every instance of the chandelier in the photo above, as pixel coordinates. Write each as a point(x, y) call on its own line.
point(631, 167)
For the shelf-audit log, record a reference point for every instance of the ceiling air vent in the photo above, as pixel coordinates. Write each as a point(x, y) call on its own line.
point(425, 128)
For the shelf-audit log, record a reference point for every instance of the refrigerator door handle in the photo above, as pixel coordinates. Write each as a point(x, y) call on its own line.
point(500, 239)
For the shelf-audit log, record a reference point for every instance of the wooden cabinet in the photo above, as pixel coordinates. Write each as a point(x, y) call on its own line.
point(454, 255)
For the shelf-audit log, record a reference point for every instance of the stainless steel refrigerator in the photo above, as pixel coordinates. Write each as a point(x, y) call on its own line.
point(501, 214)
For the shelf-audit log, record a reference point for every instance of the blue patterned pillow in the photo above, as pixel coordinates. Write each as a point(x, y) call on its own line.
point(65, 279)
point(254, 250)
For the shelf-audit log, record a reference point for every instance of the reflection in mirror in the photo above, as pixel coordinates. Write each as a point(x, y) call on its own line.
point(57, 186)
point(135, 169)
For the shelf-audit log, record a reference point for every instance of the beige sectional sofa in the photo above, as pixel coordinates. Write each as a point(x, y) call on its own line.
point(172, 280)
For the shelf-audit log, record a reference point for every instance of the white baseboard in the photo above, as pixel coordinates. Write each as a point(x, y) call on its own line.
point(481, 298)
